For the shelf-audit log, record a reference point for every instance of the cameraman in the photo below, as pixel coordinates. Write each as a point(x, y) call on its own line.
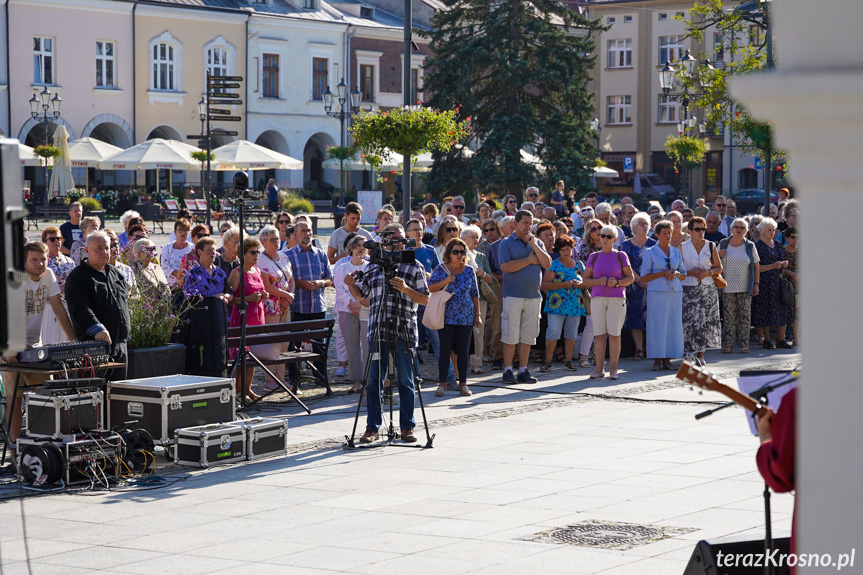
point(412, 290)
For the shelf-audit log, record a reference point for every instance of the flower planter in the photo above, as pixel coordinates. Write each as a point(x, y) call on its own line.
point(156, 361)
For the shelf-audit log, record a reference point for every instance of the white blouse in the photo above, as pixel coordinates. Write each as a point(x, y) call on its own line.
point(693, 259)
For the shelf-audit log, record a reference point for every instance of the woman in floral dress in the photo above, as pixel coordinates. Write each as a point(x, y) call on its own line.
point(564, 304)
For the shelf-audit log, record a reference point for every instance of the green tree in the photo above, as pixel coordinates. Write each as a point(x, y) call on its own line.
point(519, 70)
point(743, 28)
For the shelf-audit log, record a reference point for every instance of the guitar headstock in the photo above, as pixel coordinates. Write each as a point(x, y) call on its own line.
point(694, 375)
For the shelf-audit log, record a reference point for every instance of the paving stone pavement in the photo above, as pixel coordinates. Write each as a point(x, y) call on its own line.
point(509, 464)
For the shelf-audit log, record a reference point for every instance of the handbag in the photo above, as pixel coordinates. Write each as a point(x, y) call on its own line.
point(433, 317)
point(719, 281)
point(489, 291)
point(787, 294)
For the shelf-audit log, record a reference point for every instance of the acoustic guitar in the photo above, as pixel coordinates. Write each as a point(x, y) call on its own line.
point(696, 376)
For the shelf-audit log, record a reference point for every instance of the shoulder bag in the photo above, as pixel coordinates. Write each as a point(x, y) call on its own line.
point(718, 280)
point(488, 289)
point(433, 317)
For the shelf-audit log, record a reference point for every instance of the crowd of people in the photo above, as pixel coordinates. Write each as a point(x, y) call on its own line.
point(572, 284)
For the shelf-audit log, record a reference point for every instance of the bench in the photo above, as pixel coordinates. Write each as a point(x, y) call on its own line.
point(46, 213)
point(319, 332)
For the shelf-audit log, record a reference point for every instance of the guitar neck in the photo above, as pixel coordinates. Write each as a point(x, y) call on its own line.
point(696, 376)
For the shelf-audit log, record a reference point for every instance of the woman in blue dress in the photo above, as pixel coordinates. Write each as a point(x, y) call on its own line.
point(662, 269)
point(461, 312)
point(635, 309)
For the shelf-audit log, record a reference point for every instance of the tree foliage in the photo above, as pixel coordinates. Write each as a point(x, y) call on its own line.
point(520, 70)
point(742, 27)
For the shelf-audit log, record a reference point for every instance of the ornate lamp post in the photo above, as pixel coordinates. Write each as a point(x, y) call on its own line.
point(343, 113)
point(45, 101)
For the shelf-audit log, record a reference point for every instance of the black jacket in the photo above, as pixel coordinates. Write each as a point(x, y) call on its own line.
point(98, 301)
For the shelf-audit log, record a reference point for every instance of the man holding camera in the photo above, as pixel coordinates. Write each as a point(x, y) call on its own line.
point(411, 290)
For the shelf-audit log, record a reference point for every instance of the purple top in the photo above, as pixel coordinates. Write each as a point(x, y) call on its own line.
point(200, 282)
point(608, 265)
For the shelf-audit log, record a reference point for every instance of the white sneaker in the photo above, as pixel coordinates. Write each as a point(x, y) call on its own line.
point(340, 371)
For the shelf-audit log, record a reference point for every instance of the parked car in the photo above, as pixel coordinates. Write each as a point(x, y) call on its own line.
point(751, 200)
point(653, 187)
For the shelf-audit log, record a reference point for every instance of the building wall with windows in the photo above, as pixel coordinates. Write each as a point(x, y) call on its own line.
point(377, 58)
point(175, 47)
point(80, 50)
point(636, 117)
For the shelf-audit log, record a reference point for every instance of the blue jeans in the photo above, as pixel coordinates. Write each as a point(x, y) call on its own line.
point(434, 338)
point(402, 360)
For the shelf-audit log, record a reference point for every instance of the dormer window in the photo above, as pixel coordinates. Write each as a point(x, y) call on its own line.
point(308, 4)
point(367, 12)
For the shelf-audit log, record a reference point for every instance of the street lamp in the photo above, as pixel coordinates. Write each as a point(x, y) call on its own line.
point(203, 113)
point(45, 101)
point(343, 113)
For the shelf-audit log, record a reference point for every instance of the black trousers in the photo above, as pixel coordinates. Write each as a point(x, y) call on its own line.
point(455, 338)
point(320, 365)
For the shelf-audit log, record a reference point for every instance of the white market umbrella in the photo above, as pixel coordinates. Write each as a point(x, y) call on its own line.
point(28, 158)
point(245, 155)
point(61, 175)
point(156, 154)
point(603, 172)
point(390, 161)
point(88, 152)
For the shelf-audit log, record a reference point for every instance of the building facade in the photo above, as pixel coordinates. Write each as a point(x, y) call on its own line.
point(636, 117)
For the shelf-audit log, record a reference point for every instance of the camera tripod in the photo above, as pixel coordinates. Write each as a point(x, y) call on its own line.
point(384, 346)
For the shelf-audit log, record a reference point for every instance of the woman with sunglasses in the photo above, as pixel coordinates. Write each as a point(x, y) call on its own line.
point(150, 279)
point(792, 250)
point(742, 271)
point(254, 293)
point(701, 327)
point(589, 244)
point(136, 232)
point(662, 269)
point(608, 273)
point(114, 258)
point(279, 284)
point(510, 205)
point(635, 311)
point(206, 287)
point(564, 305)
point(449, 228)
point(282, 222)
point(461, 314)
point(61, 265)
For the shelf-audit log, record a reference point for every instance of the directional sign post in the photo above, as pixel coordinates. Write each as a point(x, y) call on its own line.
point(220, 102)
point(219, 112)
point(217, 79)
point(219, 87)
point(217, 132)
point(224, 119)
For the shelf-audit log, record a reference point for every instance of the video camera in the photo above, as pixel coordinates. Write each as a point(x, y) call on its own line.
point(389, 260)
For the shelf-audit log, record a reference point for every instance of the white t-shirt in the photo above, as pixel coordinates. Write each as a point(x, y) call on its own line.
point(343, 268)
point(281, 268)
point(36, 298)
point(337, 239)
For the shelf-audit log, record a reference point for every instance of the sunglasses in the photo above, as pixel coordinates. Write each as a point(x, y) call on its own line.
point(452, 230)
point(458, 207)
point(458, 252)
point(489, 230)
point(202, 235)
point(54, 239)
point(254, 252)
point(608, 236)
point(510, 201)
point(719, 205)
point(149, 249)
point(595, 230)
point(696, 229)
point(283, 222)
point(738, 227)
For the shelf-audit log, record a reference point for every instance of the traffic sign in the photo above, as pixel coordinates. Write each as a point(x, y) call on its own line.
point(225, 79)
point(217, 132)
point(759, 164)
point(225, 102)
point(226, 119)
point(628, 163)
point(223, 86)
point(220, 112)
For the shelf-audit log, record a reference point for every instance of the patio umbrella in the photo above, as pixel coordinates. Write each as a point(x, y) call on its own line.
point(390, 161)
point(88, 152)
point(603, 172)
point(245, 155)
point(61, 175)
point(156, 154)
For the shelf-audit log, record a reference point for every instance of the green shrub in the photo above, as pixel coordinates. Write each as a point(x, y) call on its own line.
point(296, 205)
point(90, 204)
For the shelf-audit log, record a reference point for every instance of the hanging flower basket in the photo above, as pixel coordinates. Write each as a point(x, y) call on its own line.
point(47, 152)
point(685, 151)
point(408, 130)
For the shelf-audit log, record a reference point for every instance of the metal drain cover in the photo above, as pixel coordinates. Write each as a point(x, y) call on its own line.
point(606, 535)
